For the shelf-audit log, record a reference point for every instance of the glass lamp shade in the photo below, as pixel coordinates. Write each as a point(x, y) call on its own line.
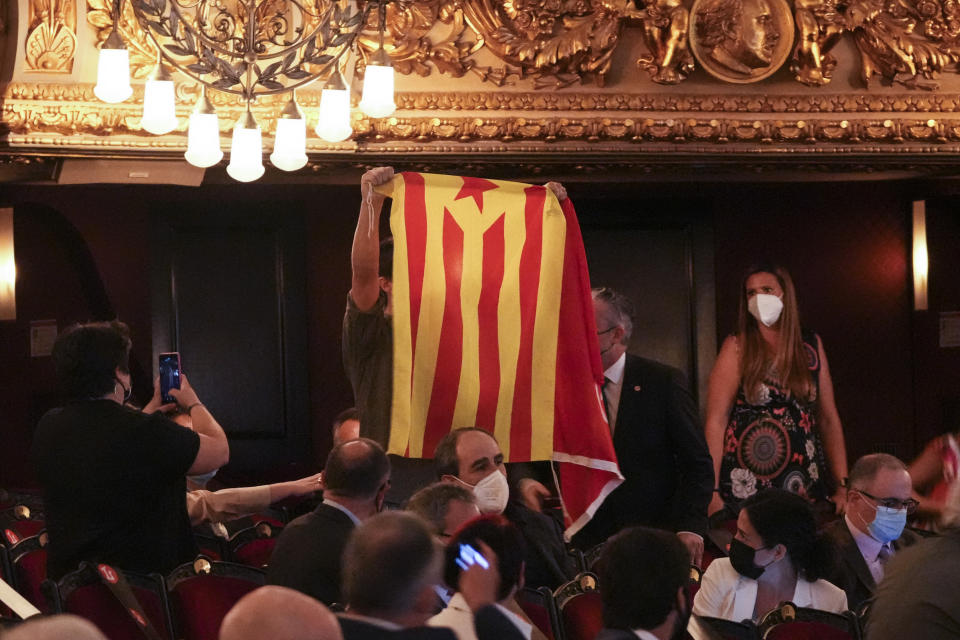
point(246, 152)
point(159, 107)
point(377, 99)
point(113, 75)
point(203, 140)
point(290, 143)
point(334, 122)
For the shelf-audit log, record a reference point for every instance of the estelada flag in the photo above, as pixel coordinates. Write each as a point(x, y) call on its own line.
point(493, 327)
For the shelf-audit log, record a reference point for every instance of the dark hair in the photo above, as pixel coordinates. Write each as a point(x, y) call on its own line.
point(347, 414)
point(356, 469)
point(86, 357)
point(783, 517)
point(387, 562)
point(386, 258)
point(503, 537)
point(640, 571)
point(866, 467)
point(432, 503)
point(621, 307)
point(445, 461)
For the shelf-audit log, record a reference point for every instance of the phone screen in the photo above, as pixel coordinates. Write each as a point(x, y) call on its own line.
point(169, 375)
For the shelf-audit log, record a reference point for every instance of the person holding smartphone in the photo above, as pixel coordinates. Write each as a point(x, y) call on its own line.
point(114, 477)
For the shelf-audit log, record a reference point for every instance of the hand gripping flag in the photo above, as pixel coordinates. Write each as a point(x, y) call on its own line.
point(493, 327)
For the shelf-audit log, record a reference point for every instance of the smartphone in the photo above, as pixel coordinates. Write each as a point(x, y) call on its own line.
point(470, 556)
point(169, 375)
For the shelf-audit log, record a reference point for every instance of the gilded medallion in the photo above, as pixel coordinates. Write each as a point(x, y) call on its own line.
point(741, 41)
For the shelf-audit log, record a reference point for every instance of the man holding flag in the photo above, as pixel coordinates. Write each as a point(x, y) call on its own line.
point(483, 317)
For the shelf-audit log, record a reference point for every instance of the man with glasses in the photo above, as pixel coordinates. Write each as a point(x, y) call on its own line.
point(878, 502)
point(657, 437)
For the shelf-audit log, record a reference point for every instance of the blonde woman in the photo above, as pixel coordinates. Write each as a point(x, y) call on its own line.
point(771, 416)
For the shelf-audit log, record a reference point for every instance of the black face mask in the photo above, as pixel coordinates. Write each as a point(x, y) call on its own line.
point(741, 557)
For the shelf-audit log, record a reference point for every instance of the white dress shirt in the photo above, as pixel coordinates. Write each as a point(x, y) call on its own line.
point(870, 550)
point(337, 505)
point(459, 617)
point(726, 594)
point(612, 386)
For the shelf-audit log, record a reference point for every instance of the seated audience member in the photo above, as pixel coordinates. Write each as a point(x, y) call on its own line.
point(932, 472)
point(445, 507)
point(113, 477)
point(878, 501)
point(308, 552)
point(390, 567)
point(920, 593)
point(471, 458)
point(643, 577)
point(346, 426)
point(504, 538)
point(63, 626)
point(278, 613)
point(775, 556)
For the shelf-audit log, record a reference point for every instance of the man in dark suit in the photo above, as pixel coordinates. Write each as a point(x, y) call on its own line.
point(390, 568)
point(667, 469)
point(872, 531)
point(308, 552)
point(634, 605)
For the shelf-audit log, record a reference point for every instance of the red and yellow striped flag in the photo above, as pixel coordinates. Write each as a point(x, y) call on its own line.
point(494, 327)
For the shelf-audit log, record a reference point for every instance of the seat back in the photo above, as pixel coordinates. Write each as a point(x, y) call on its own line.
point(728, 629)
point(82, 592)
point(790, 621)
point(202, 592)
point(20, 521)
point(28, 561)
point(538, 605)
point(253, 546)
point(582, 616)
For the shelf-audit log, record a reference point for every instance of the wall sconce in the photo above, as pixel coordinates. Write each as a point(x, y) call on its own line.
point(8, 267)
point(920, 260)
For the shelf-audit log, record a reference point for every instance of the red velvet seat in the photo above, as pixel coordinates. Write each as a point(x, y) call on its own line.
point(28, 560)
point(579, 606)
point(790, 622)
point(202, 592)
point(19, 522)
point(82, 592)
point(728, 629)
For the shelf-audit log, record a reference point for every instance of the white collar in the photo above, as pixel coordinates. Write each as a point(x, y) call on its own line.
point(376, 622)
point(614, 372)
point(459, 603)
point(643, 634)
point(337, 505)
point(868, 545)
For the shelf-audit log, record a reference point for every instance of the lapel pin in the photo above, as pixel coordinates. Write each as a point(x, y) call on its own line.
point(636, 388)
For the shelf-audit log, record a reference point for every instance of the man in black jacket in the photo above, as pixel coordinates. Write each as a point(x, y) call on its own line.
point(308, 553)
point(657, 437)
point(391, 566)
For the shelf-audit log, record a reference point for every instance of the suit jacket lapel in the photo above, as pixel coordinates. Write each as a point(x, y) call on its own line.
point(851, 555)
point(629, 392)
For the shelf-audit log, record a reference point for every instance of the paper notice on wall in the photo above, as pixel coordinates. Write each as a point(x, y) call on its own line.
point(950, 329)
point(43, 333)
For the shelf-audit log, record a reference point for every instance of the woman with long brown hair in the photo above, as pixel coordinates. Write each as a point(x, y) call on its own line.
point(771, 416)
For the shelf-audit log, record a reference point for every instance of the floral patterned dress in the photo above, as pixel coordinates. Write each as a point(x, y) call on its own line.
point(774, 443)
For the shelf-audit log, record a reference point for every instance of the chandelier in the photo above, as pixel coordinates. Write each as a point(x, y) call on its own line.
point(250, 48)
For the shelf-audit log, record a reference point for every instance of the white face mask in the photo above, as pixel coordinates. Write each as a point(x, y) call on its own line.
point(492, 493)
point(766, 308)
point(203, 478)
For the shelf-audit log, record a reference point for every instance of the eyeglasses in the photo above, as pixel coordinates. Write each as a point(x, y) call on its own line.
point(892, 503)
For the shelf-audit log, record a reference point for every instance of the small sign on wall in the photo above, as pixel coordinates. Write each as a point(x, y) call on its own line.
point(950, 329)
point(43, 333)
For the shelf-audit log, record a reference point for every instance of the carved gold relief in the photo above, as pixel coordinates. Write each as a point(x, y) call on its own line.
point(51, 37)
point(741, 41)
point(819, 27)
point(666, 24)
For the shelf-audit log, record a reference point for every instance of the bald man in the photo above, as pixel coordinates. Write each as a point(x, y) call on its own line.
point(279, 613)
point(55, 627)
